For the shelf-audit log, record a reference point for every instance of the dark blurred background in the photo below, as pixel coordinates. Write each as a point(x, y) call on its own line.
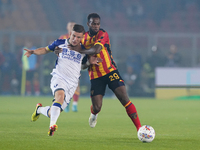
point(144, 34)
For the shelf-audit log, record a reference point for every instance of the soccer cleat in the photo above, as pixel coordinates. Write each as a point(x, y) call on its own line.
point(74, 108)
point(93, 120)
point(35, 115)
point(52, 129)
point(67, 108)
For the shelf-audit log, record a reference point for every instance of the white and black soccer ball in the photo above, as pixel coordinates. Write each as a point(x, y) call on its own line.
point(146, 133)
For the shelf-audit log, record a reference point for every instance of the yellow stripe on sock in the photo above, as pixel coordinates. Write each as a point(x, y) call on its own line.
point(127, 104)
point(57, 102)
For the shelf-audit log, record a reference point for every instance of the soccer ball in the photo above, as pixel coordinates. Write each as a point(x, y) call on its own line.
point(146, 133)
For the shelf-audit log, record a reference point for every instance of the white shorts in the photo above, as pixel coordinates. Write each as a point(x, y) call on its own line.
point(58, 83)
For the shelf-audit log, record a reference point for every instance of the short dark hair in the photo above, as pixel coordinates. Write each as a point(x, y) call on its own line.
point(93, 15)
point(79, 28)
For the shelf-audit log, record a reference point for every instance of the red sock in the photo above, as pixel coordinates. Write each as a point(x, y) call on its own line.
point(92, 111)
point(132, 113)
point(75, 97)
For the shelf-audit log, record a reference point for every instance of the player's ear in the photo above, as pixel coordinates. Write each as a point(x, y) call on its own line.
point(88, 24)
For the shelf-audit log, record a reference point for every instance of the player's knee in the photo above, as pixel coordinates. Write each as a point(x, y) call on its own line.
point(60, 96)
point(96, 109)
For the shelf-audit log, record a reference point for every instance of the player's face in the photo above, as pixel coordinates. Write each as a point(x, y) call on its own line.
point(75, 38)
point(94, 24)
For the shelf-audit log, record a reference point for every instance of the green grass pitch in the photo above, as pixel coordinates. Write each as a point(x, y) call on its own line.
point(176, 122)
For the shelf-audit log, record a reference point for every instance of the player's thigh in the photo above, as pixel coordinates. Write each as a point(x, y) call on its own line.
point(69, 92)
point(114, 80)
point(98, 87)
point(116, 84)
point(59, 84)
point(121, 94)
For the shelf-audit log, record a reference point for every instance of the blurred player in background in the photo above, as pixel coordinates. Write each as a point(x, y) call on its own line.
point(31, 66)
point(97, 41)
point(65, 75)
point(69, 28)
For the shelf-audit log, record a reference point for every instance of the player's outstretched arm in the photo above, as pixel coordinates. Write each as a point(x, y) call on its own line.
point(38, 51)
point(93, 50)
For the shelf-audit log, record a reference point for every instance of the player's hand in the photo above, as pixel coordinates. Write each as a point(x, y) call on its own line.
point(95, 60)
point(58, 50)
point(28, 52)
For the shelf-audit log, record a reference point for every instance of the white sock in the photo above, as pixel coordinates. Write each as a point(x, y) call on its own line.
point(75, 103)
point(94, 116)
point(55, 113)
point(43, 110)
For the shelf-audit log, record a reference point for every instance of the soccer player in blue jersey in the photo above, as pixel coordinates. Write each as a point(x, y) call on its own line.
point(65, 75)
point(77, 92)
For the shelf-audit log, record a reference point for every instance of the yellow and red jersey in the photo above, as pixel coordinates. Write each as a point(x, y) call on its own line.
point(107, 65)
point(64, 36)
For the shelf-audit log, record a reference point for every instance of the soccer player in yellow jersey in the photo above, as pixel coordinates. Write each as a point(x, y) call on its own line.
point(69, 28)
point(96, 41)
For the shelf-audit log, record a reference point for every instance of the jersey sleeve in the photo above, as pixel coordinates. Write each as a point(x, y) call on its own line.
point(57, 42)
point(102, 38)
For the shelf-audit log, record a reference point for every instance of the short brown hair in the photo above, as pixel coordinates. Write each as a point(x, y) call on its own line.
point(79, 28)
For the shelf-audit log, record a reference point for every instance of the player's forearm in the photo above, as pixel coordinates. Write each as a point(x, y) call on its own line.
point(40, 51)
point(93, 50)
